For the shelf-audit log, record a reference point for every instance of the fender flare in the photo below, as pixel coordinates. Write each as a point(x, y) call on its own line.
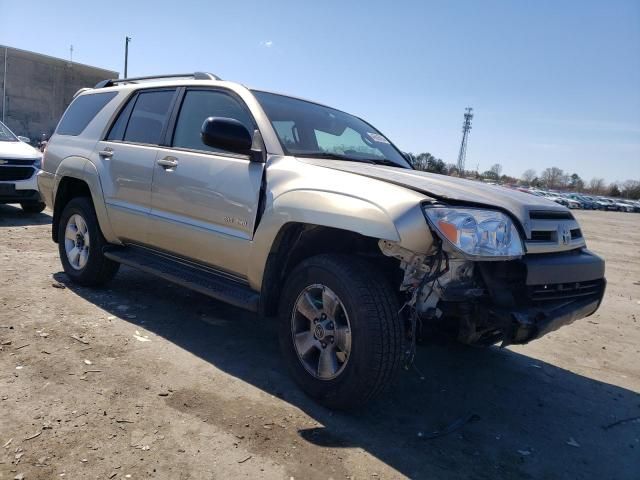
point(83, 169)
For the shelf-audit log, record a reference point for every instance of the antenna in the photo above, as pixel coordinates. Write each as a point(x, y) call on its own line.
point(466, 128)
point(71, 54)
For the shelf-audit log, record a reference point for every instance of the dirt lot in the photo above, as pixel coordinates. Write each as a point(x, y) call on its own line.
point(146, 379)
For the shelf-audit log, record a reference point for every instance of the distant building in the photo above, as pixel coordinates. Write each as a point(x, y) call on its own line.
point(36, 89)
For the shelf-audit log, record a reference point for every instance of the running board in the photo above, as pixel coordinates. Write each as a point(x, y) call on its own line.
point(200, 279)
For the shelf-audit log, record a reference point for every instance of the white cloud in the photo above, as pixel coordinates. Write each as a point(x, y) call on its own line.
point(267, 43)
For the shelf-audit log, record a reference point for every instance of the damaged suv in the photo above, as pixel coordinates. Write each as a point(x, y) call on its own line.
point(286, 207)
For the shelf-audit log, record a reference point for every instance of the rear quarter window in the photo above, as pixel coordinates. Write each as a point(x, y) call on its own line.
point(81, 112)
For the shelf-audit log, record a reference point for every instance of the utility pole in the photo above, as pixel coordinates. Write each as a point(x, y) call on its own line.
point(126, 55)
point(466, 128)
point(4, 86)
point(71, 54)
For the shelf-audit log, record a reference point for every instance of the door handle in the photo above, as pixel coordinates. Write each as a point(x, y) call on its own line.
point(106, 153)
point(168, 162)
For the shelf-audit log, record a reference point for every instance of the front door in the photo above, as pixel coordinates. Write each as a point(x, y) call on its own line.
point(205, 200)
point(127, 159)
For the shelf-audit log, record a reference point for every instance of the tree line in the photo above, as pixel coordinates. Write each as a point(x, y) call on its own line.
point(552, 178)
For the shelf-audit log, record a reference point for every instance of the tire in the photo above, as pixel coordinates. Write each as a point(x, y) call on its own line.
point(92, 268)
point(35, 207)
point(367, 305)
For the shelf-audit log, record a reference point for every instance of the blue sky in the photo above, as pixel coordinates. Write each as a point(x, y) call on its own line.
point(552, 83)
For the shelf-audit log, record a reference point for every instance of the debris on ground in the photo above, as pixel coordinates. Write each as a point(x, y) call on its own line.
point(141, 338)
point(621, 422)
point(75, 337)
point(572, 442)
point(245, 459)
point(452, 427)
point(58, 285)
point(34, 435)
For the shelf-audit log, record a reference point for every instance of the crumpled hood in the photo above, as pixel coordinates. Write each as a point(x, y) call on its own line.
point(450, 189)
point(18, 151)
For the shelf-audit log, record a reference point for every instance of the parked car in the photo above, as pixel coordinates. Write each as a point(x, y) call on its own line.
point(623, 206)
point(590, 201)
point(571, 202)
point(19, 163)
point(585, 202)
point(629, 205)
point(284, 206)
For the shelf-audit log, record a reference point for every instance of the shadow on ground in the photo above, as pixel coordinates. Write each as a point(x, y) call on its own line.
point(14, 216)
point(531, 419)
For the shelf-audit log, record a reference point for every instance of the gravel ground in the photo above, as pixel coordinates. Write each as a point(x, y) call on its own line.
point(145, 379)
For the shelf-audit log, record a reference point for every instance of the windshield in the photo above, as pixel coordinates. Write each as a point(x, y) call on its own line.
point(306, 129)
point(6, 135)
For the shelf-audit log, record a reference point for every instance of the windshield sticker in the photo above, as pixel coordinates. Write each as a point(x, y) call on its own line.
point(376, 137)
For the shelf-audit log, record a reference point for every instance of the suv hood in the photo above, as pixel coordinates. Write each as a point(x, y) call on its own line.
point(452, 190)
point(18, 151)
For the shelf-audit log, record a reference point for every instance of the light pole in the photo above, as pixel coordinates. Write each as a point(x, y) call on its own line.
point(126, 55)
point(4, 85)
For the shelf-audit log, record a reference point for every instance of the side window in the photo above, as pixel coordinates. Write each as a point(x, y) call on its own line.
point(120, 125)
point(148, 117)
point(198, 105)
point(81, 112)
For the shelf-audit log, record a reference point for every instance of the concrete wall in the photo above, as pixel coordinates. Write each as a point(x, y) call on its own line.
point(39, 88)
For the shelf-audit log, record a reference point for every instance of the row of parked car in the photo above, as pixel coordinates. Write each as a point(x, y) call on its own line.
point(587, 202)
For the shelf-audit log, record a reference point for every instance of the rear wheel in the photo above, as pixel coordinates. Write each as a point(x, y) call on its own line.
point(80, 244)
point(33, 207)
point(339, 330)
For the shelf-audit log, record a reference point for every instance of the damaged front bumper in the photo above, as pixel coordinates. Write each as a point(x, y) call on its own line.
point(518, 301)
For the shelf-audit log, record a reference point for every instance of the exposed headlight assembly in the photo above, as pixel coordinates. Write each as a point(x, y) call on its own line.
point(476, 233)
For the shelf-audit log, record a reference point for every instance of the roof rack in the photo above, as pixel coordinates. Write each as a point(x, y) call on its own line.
point(195, 76)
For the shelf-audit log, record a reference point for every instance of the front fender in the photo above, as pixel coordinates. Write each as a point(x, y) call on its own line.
point(321, 208)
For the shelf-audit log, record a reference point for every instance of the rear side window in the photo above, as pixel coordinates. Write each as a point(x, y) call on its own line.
point(81, 112)
point(148, 117)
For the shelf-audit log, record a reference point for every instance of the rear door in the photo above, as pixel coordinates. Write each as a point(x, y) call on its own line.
point(127, 161)
point(205, 200)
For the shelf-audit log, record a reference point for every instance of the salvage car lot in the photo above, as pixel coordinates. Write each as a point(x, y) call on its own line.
point(148, 379)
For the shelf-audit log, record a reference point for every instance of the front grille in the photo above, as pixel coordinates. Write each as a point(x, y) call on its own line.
point(15, 161)
point(15, 173)
point(565, 291)
point(550, 231)
point(543, 236)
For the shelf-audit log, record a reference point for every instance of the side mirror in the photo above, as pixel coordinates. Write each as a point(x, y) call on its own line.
point(24, 139)
point(227, 134)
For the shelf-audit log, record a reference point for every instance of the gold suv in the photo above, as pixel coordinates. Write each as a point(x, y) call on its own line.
point(287, 207)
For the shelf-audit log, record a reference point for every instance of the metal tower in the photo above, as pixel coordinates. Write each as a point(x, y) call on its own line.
point(466, 127)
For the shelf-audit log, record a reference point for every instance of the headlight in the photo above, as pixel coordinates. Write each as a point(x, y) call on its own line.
point(477, 233)
point(37, 163)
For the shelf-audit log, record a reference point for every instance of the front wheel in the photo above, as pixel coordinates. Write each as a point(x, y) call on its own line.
point(339, 330)
point(80, 244)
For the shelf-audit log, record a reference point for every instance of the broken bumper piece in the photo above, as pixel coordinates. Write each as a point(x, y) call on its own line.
point(523, 326)
point(529, 298)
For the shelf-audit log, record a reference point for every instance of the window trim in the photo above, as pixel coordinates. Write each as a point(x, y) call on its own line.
point(173, 121)
point(133, 97)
